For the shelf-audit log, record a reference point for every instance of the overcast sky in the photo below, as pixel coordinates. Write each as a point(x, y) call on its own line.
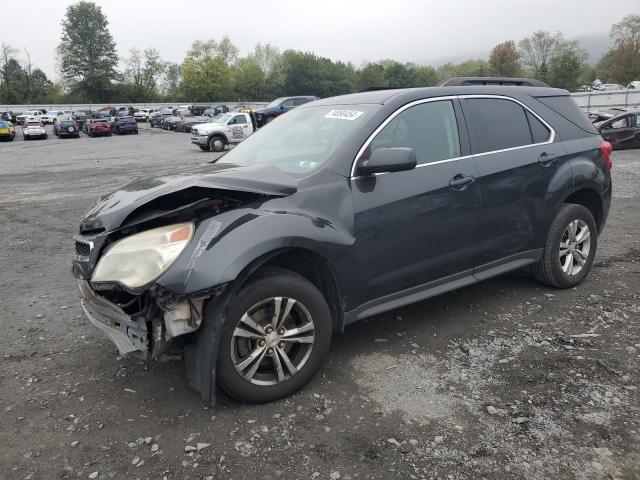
point(421, 31)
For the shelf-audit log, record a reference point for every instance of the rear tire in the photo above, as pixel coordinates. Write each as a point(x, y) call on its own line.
point(570, 248)
point(284, 365)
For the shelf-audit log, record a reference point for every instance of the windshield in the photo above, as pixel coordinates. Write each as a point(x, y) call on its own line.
point(3, 125)
point(222, 118)
point(66, 123)
point(33, 124)
point(276, 102)
point(301, 140)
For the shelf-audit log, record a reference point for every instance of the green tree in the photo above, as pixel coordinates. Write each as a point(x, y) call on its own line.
point(206, 71)
point(504, 60)
point(622, 63)
point(627, 29)
point(538, 50)
point(142, 73)
point(170, 83)
point(424, 76)
point(566, 67)
point(87, 52)
point(469, 68)
point(249, 79)
point(41, 87)
point(371, 75)
point(11, 75)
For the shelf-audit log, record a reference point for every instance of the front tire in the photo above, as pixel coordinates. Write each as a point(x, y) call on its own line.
point(217, 144)
point(570, 248)
point(276, 337)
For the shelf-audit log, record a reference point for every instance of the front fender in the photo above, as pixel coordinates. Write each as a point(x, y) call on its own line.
point(217, 133)
point(223, 247)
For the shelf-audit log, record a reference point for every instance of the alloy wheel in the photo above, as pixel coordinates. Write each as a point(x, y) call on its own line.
point(574, 247)
point(272, 341)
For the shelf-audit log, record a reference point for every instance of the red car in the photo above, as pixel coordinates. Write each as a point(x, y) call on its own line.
point(99, 126)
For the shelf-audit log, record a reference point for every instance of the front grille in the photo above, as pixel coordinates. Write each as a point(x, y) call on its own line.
point(82, 249)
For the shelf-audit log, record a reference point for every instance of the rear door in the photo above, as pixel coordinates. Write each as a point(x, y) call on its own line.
point(417, 226)
point(517, 158)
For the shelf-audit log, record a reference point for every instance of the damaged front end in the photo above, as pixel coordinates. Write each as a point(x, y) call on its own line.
point(141, 326)
point(134, 236)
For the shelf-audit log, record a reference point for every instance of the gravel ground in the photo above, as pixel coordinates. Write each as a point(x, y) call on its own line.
point(502, 380)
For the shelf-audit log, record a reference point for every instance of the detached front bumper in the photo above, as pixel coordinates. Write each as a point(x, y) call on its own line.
point(130, 336)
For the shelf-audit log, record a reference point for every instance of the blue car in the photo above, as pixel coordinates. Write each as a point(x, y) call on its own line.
point(124, 125)
point(282, 105)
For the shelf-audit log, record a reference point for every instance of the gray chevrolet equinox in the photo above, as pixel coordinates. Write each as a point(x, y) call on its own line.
point(344, 208)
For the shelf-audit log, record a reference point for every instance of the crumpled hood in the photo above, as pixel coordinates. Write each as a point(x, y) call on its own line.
point(112, 209)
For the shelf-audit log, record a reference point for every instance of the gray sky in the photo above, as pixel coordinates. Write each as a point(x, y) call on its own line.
point(422, 31)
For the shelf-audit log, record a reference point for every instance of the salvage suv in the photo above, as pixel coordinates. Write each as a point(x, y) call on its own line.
point(343, 209)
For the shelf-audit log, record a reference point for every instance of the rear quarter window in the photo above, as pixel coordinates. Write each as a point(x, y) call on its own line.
point(566, 107)
point(539, 132)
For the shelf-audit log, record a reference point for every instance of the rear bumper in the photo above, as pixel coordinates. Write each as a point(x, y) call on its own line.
point(130, 336)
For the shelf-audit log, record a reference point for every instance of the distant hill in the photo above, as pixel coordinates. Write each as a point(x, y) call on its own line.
point(595, 45)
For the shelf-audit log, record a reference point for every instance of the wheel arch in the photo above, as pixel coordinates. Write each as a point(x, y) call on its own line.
point(306, 263)
point(218, 134)
point(591, 200)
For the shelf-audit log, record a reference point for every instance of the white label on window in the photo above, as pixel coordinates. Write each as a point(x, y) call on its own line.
point(343, 114)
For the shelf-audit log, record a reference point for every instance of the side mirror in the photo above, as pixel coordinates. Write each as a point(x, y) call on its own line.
point(384, 160)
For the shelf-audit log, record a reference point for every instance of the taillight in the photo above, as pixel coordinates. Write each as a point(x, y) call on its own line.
point(606, 148)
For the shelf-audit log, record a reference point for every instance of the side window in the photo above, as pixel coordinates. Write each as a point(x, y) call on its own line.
point(430, 129)
point(498, 124)
point(539, 133)
point(239, 120)
point(288, 104)
point(637, 124)
point(622, 123)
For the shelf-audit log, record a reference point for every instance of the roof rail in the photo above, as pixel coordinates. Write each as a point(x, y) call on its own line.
point(519, 82)
point(375, 89)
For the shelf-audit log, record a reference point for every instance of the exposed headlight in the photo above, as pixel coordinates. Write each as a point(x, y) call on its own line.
point(139, 259)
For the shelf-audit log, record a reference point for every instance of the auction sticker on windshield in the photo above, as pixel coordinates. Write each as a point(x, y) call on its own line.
point(343, 114)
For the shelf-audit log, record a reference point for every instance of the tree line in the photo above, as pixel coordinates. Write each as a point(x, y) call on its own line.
point(214, 70)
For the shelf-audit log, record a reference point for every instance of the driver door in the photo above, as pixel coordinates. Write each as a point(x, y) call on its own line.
point(240, 129)
point(419, 226)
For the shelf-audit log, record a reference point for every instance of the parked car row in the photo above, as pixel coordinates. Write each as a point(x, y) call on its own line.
point(598, 86)
point(35, 129)
point(7, 130)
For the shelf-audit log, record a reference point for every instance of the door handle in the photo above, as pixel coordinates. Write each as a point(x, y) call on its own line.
point(547, 158)
point(460, 182)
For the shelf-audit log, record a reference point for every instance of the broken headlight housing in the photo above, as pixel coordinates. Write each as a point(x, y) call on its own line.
point(137, 260)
